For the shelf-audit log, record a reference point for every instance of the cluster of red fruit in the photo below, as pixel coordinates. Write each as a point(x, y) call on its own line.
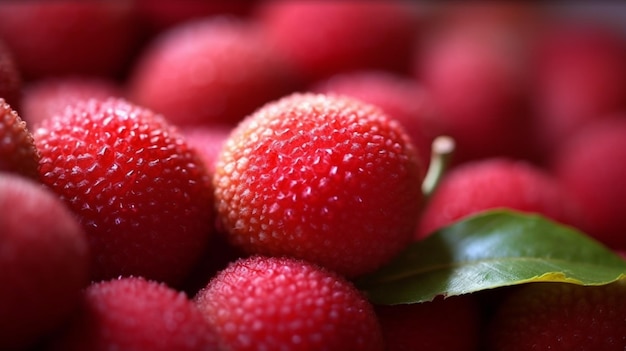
point(189, 175)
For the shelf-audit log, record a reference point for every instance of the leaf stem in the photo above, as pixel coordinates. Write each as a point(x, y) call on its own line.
point(442, 152)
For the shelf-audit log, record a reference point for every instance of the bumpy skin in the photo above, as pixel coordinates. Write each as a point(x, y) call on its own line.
point(141, 193)
point(322, 38)
point(325, 178)
point(498, 183)
point(274, 303)
point(135, 314)
point(44, 262)
point(209, 71)
point(591, 166)
point(560, 317)
point(17, 147)
point(447, 324)
point(68, 37)
point(400, 97)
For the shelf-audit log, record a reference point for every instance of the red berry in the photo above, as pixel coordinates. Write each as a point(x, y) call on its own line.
point(208, 141)
point(17, 147)
point(275, 303)
point(209, 71)
point(477, 80)
point(10, 78)
point(141, 193)
point(68, 37)
point(591, 165)
point(447, 324)
point(45, 98)
point(400, 97)
point(44, 260)
point(560, 316)
point(579, 77)
point(497, 183)
point(325, 178)
point(134, 314)
point(322, 38)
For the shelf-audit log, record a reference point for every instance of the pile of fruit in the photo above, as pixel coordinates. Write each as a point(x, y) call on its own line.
point(311, 175)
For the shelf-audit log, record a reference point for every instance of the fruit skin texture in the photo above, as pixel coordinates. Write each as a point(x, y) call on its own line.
point(324, 178)
point(497, 183)
point(398, 96)
point(44, 260)
point(591, 166)
point(17, 148)
point(560, 316)
point(135, 314)
point(209, 71)
point(280, 303)
point(447, 324)
point(141, 193)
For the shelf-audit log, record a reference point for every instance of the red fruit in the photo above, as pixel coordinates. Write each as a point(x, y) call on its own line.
point(400, 97)
point(497, 183)
point(210, 71)
point(477, 80)
point(45, 98)
point(442, 324)
point(141, 193)
point(160, 15)
point(17, 148)
point(10, 78)
point(275, 303)
point(579, 78)
point(134, 314)
point(560, 316)
point(208, 141)
point(591, 167)
point(44, 262)
point(322, 38)
point(68, 37)
point(324, 178)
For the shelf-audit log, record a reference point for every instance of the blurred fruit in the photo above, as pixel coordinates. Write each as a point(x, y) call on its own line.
point(49, 38)
point(560, 316)
point(453, 323)
point(322, 38)
point(44, 262)
point(592, 167)
point(210, 71)
point(134, 314)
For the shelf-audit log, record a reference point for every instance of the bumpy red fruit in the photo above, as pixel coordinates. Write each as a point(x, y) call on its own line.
point(325, 178)
point(135, 314)
point(559, 317)
point(278, 303)
point(498, 183)
point(400, 97)
point(141, 193)
point(44, 262)
point(17, 147)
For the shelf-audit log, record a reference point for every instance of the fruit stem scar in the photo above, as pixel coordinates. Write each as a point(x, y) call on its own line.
point(441, 155)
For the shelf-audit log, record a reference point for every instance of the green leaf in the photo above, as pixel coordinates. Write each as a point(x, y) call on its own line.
point(489, 250)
